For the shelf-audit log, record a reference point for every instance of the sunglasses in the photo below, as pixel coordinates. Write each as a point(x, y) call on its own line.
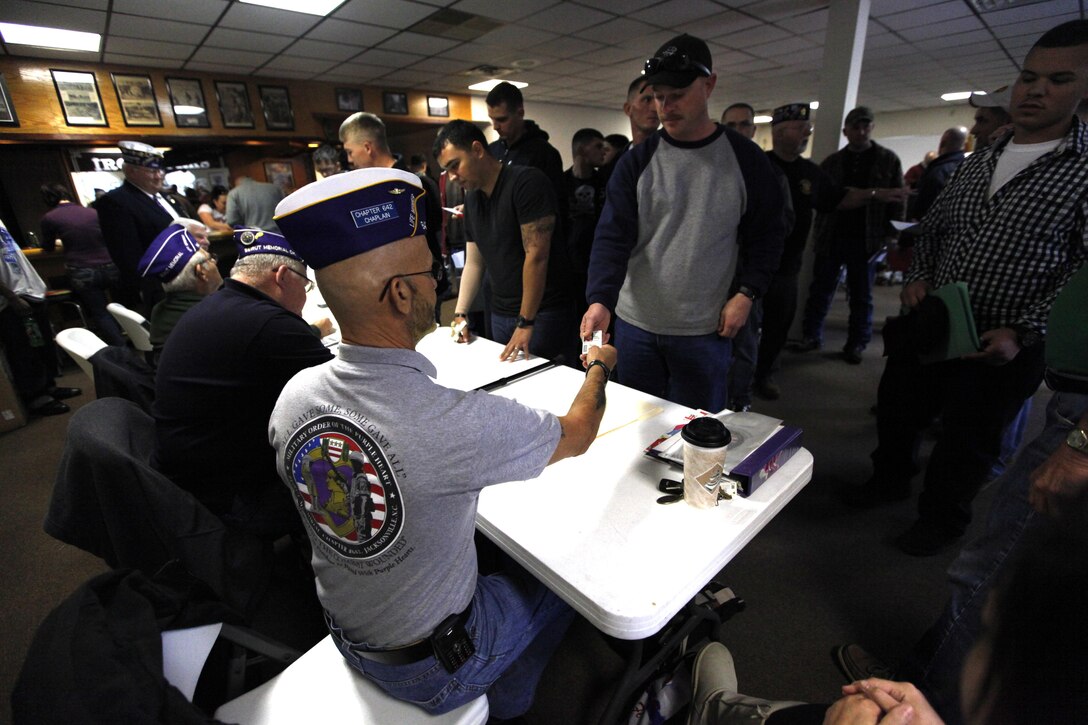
point(677, 62)
point(435, 271)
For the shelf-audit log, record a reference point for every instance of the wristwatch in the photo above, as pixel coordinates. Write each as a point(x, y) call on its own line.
point(525, 322)
point(1026, 337)
point(748, 292)
point(1078, 440)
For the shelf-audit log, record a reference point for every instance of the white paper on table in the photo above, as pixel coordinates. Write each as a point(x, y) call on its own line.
point(184, 652)
point(902, 226)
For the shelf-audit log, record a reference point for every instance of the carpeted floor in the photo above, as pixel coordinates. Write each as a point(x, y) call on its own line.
point(817, 576)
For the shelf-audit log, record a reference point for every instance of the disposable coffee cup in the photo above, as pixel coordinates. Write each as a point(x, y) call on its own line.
point(705, 442)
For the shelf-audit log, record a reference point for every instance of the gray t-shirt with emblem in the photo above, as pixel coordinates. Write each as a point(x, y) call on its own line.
point(386, 466)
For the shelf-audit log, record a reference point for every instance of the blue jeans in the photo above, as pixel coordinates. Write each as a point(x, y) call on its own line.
point(937, 659)
point(555, 334)
point(691, 370)
point(90, 284)
point(859, 286)
point(745, 356)
point(516, 625)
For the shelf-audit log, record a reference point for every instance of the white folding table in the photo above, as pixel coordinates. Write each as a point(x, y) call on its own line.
point(590, 527)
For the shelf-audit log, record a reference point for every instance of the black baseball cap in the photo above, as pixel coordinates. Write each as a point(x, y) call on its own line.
point(679, 62)
point(861, 113)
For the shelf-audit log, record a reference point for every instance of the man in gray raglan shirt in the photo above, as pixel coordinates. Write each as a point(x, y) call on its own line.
point(683, 208)
point(389, 506)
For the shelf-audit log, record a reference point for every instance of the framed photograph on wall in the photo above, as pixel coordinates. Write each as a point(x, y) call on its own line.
point(393, 102)
point(280, 173)
point(137, 98)
point(187, 99)
point(276, 104)
point(438, 106)
point(234, 104)
point(349, 99)
point(79, 98)
point(7, 108)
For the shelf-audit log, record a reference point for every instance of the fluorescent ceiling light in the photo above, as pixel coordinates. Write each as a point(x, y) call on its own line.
point(489, 84)
point(960, 95)
point(310, 7)
point(188, 110)
point(814, 105)
point(15, 34)
point(762, 119)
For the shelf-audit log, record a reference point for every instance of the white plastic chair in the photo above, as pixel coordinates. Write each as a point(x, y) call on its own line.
point(134, 324)
point(81, 344)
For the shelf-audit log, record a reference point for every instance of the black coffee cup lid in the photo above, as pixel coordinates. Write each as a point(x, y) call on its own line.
point(706, 432)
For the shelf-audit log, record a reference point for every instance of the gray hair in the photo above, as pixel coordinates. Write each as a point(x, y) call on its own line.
point(259, 266)
point(187, 281)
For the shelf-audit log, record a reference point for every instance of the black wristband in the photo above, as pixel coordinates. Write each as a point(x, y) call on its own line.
point(594, 363)
point(460, 314)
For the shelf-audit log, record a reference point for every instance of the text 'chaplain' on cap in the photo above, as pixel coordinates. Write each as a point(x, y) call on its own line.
point(168, 254)
point(258, 241)
point(348, 214)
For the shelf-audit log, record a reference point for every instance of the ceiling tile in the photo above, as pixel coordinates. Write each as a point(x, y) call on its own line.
point(299, 65)
point(151, 48)
point(723, 23)
point(317, 49)
point(758, 35)
point(811, 21)
point(29, 13)
point(676, 12)
point(267, 20)
point(387, 58)
point(417, 43)
point(389, 13)
point(240, 70)
point(241, 40)
point(949, 10)
point(566, 18)
point(142, 61)
point(775, 10)
point(350, 33)
point(508, 10)
point(205, 12)
point(131, 26)
point(516, 36)
point(949, 28)
point(567, 46)
point(233, 57)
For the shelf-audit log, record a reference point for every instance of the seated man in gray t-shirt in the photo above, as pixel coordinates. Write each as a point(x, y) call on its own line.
point(390, 506)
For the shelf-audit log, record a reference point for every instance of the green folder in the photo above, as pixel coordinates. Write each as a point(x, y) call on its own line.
point(962, 335)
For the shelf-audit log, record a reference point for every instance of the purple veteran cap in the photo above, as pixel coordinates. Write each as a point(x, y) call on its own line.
point(168, 254)
point(258, 241)
point(348, 214)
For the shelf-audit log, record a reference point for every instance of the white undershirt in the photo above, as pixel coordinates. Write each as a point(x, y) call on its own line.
point(165, 205)
point(1016, 158)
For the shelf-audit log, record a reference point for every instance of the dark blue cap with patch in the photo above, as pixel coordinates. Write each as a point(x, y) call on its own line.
point(258, 241)
point(352, 213)
point(791, 112)
point(168, 254)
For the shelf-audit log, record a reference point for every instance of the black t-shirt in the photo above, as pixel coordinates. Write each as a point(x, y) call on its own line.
point(522, 194)
point(585, 200)
point(811, 189)
point(857, 172)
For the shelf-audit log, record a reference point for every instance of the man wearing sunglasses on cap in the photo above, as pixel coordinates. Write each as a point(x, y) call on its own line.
point(685, 210)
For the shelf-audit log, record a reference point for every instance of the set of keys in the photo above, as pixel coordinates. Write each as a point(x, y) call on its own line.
point(674, 490)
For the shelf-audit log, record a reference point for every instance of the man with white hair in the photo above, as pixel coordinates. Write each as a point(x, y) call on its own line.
point(132, 215)
point(389, 507)
point(218, 377)
point(188, 273)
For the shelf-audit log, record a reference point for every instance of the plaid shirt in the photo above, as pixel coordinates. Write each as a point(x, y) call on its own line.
point(1016, 250)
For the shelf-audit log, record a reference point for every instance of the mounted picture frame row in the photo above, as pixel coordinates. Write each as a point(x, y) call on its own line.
point(81, 102)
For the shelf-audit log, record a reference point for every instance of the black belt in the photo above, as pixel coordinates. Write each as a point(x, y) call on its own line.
point(408, 654)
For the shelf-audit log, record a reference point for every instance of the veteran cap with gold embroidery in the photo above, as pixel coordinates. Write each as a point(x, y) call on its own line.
point(140, 154)
point(348, 214)
point(790, 112)
point(258, 241)
point(168, 254)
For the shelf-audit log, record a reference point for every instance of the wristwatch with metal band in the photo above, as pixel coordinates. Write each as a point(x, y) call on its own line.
point(525, 322)
point(748, 292)
point(1026, 337)
point(1078, 440)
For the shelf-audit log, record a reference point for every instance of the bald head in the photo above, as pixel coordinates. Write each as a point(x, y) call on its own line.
point(352, 288)
point(954, 139)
